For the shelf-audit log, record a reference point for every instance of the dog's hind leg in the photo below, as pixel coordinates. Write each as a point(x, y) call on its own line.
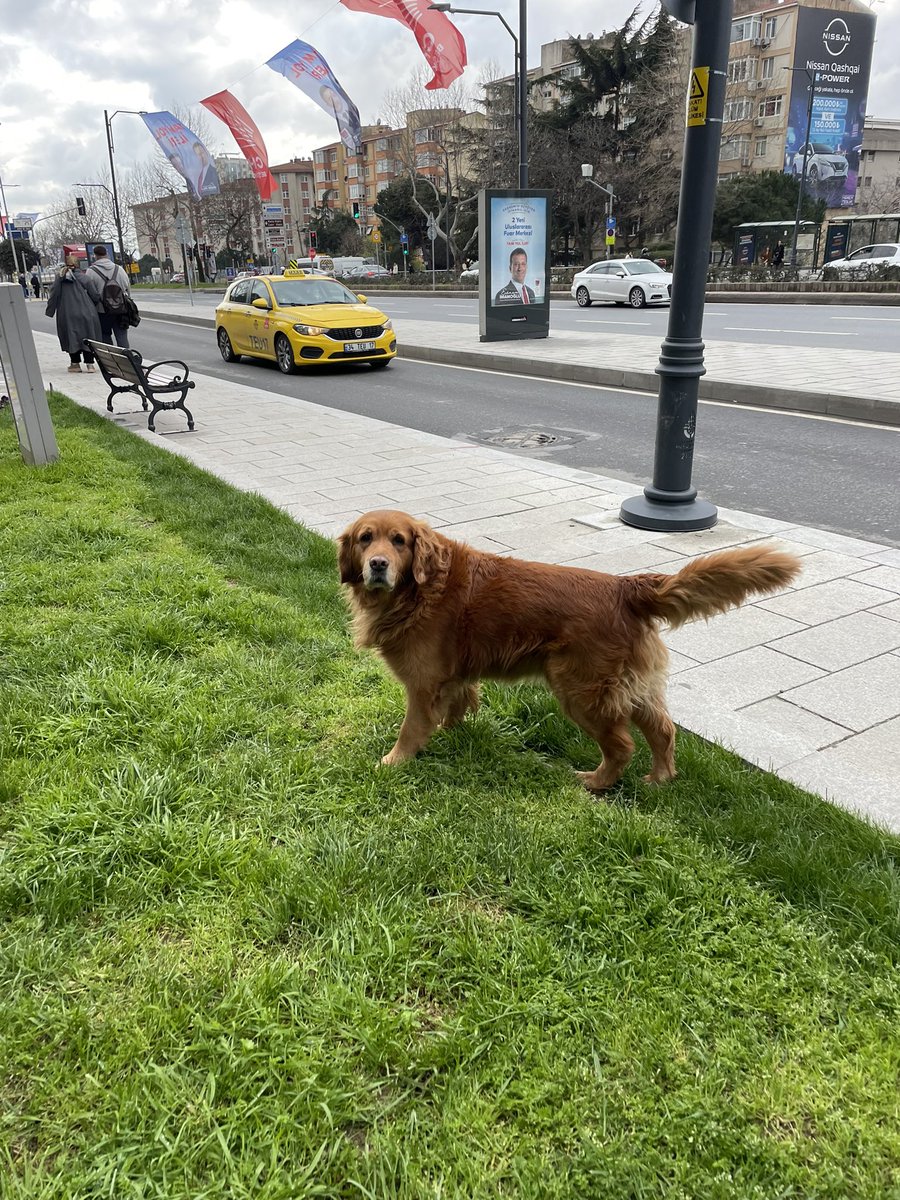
point(617, 745)
point(594, 707)
point(655, 724)
point(456, 700)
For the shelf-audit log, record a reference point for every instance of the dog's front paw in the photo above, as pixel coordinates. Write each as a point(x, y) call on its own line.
point(393, 757)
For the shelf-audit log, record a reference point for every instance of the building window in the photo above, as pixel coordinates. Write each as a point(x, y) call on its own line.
point(738, 110)
point(734, 147)
point(741, 69)
point(867, 182)
point(762, 145)
point(770, 27)
point(768, 69)
point(749, 27)
point(770, 107)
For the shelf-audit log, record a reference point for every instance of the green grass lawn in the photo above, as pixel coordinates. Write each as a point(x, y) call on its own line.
point(238, 960)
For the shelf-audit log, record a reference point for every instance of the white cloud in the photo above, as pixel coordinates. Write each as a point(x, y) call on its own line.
point(60, 71)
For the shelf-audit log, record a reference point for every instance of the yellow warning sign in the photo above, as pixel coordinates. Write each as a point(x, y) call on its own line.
point(698, 96)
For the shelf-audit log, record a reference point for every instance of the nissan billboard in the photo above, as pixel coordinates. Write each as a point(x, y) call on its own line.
point(832, 59)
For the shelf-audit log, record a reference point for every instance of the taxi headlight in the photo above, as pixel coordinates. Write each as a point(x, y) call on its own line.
point(309, 330)
point(388, 325)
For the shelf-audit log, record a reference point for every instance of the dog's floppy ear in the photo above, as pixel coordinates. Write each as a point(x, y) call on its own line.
point(430, 554)
point(350, 572)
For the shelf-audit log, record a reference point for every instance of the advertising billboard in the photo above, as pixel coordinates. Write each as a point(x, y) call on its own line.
point(514, 253)
point(832, 60)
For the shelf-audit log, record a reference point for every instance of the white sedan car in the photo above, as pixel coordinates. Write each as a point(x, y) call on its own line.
point(867, 258)
point(634, 281)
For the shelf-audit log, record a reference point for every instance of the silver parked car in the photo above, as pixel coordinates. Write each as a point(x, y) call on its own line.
point(634, 281)
point(867, 259)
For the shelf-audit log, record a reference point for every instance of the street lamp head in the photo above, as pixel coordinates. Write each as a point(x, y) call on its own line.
point(587, 171)
point(441, 7)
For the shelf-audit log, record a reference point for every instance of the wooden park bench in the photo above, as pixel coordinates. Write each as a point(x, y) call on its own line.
point(124, 371)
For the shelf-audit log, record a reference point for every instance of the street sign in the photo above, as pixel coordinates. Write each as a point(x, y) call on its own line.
point(610, 224)
point(376, 236)
point(274, 222)
point(404, 238)
point(273, 210)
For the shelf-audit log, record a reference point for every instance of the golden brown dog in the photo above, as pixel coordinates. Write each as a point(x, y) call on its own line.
point(443, 616)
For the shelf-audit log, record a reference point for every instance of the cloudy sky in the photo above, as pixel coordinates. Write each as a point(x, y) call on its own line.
point(61, 66)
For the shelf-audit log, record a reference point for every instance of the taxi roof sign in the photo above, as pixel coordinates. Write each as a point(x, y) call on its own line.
point(293, 273)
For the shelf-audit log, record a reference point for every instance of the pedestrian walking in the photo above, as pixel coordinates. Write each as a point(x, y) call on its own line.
point(36, 285)
point(778, 255)
point(76, 314)
point(23, 284)
point(110, 290)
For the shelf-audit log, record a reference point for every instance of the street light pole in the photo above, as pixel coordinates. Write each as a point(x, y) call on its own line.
point(587, 173)
point(12, 240)
point(112, 173)
point(670, 502)
point(520, 75)
point(813, 77)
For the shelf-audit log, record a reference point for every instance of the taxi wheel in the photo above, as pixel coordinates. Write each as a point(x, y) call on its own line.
point(378, 363)
point(636, 297)
point(225, 347)
point(284, 355)
point(583, 297)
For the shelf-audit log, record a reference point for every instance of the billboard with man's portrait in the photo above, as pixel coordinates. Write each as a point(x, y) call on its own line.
point(514, 275)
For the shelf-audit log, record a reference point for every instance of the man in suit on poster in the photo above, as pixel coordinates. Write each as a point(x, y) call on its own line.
point(516, 291)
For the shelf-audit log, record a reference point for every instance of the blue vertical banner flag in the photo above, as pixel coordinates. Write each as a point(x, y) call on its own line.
point(306, 69)
point(185, 152)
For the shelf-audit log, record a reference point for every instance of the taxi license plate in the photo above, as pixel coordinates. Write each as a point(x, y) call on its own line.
point(358, 347)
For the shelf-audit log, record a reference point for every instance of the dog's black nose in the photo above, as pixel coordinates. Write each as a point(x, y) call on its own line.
point(378, 564)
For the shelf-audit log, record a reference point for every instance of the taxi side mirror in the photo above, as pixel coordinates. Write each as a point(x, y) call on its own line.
point(361, 299)
point(259, 303)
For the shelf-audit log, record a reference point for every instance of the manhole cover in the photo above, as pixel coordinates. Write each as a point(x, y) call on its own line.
point(526, 439)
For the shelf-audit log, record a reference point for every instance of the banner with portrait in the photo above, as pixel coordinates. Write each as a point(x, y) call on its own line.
point(307, 70)
point(185, 152)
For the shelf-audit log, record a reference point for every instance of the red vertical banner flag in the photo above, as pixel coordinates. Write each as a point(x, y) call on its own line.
point(439, 39)
point(224, 106)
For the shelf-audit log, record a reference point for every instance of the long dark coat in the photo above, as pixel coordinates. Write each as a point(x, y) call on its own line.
point(76, 317)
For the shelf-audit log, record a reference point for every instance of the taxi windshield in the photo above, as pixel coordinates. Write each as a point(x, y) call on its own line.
point(295, 292)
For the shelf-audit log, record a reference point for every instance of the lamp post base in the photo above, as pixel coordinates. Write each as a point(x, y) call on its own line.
point(679, 517)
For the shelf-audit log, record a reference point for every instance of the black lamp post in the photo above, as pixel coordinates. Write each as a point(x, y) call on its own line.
point(670, 502)
point(108, 120)
point(813, 77)
point(520, 74)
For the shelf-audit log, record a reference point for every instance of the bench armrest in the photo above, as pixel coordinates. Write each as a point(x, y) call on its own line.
point(167, 362)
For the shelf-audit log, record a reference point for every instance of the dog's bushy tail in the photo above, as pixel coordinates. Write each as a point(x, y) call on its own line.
point(710, 585)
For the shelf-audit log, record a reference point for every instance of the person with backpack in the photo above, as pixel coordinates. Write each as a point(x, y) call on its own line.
point(109, 289)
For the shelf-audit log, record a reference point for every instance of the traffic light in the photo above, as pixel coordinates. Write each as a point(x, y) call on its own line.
point(313, 239)
point(355, 210)
point(79, 204)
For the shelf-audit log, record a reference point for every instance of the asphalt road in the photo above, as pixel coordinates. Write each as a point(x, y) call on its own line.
point(812, 471)
point(854, 328)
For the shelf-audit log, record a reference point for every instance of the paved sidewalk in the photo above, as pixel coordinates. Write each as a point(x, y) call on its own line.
point(805, 683)
point(863, 387)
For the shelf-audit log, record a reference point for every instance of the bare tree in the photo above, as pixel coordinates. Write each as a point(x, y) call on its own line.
point(435, 153)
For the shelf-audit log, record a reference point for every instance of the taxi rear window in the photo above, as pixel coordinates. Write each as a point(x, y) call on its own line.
point(311, 291)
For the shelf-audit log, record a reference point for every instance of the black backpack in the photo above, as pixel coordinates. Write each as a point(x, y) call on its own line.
point(112, 298)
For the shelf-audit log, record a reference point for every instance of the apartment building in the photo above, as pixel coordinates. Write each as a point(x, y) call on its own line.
point(430, 144)
point(879, 166)
point(297, 196)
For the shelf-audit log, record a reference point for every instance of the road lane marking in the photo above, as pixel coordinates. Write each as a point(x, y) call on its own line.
point(593, 321)
point(762, 329)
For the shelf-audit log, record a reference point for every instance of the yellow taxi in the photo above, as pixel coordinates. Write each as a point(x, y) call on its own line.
point(299, 319)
